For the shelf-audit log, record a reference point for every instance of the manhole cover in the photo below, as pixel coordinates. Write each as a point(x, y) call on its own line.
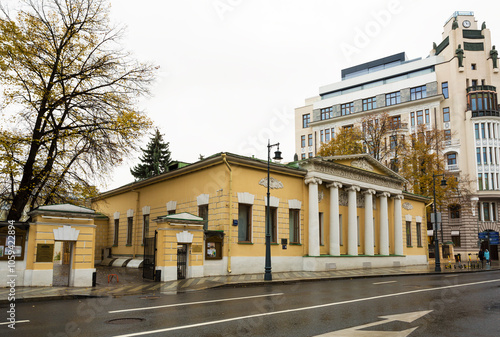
point(125, 320)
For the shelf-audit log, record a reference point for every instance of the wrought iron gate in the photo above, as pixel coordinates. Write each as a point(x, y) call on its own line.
point(181, 261)
point(148, 266)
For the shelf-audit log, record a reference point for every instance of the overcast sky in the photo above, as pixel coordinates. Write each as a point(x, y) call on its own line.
point(233, 71)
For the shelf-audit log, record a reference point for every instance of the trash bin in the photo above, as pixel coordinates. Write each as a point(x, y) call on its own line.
point(458, 258)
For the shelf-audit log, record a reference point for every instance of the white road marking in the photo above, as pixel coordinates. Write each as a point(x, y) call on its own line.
point(193, 303)
point(302, 309)
point(357, 331)
point(6, 323)
point(386, 282)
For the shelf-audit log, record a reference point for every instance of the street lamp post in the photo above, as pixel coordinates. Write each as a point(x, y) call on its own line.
point(437, 257)
point(277, 156)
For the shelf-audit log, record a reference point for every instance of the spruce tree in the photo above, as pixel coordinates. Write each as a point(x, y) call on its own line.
point(155, 159)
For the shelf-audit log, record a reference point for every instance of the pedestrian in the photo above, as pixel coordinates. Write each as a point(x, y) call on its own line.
point(481, 255)
point(487, 256)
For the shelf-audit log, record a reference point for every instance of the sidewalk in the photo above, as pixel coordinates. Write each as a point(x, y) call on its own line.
point(130, 282)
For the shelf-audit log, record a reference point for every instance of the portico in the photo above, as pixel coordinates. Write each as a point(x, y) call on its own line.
point(365, 208)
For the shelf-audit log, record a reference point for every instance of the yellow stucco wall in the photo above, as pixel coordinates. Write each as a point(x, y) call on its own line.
point(42, 232)
point(185, 186)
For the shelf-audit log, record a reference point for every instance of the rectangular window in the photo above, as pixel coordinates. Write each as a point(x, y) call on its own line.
point(447, 134)
point(418, 93)
point(408, 233)
point(486, 182)
point(444, 87)
point(306, 119)
point(322, 136)
point(427, 117)
point(419, 234)
point(480, 181)
point(294, 215)
point(476, 130)
point(369, 103)
point(341, 237)
point(347, 108)
point(357, 222)
point(393, 141)
point(452, 159)
point(326, 113)
point(412, 118)
point(483, 131)
point(310, 140)
point(244, 223)
point(396, 122)
point(145, 226)
point(274, 219)
point(303, 141)
point(172, 211)
point(203, 213)
point(456, 239)
point(446, 115)
point(117, 228)
point(327, 135)
point(420, 117)
point(393, 98)
point(321, 230)
point(486, 211)
point(130, 225)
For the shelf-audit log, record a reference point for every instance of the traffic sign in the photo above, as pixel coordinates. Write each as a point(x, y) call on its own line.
point(483, 235)
point(494, 241)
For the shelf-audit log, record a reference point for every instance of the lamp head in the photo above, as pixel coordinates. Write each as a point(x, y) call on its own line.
point(277, 154)
point(444, 183)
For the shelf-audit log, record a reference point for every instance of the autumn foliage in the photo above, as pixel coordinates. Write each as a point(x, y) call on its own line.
point(69, 101)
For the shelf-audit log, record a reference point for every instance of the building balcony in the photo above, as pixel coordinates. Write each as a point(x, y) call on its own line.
point(451, 143)
point(452, 168)
point(398, 126)
point(482, 101)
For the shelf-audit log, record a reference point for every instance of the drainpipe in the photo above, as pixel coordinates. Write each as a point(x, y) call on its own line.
point(230, 210)
point(136, 222)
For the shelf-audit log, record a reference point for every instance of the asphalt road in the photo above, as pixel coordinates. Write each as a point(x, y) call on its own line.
point(427, 305)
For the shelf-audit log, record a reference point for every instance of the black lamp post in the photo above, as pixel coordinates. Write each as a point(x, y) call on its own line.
point(436, 239)
point(277, 156)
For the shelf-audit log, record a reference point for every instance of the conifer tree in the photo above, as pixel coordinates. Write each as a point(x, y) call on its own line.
point(155, 159)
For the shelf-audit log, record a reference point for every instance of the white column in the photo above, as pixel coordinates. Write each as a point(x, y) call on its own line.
point(352, 230)
point(384, 224)
point(334, 218)
point(369, 244)
point(398, 226)
point(313, 216)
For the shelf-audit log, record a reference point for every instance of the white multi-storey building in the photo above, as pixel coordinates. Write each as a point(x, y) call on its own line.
point(454, 90)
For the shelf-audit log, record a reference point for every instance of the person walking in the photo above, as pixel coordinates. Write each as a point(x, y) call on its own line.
point(481, 257)
point(487, 256)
